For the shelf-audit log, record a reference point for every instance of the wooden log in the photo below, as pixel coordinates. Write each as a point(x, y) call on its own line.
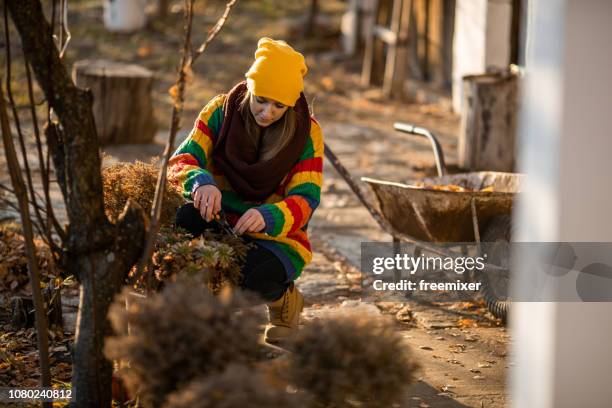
point(422, 23)
point(392, 48)
point(123, 106)
point(435, 37)
point(397, 50)
point(488, 122)
point(447, 41)
point(373, 66)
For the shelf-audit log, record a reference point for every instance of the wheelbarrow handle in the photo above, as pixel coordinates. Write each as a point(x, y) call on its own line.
point(435, 145)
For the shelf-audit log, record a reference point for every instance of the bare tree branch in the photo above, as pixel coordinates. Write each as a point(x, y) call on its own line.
point(10, 190)
point(22, 146)
point(213, 32)
point(37, 226)
point(44, 232)
point(21, 193)
point(7, 202)
point(44, 168)
point(63, 44)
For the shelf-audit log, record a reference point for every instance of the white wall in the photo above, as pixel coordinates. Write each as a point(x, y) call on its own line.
point(563, 351)
point(481, 39)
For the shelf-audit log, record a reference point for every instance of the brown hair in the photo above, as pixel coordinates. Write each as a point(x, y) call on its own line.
point(272, 139)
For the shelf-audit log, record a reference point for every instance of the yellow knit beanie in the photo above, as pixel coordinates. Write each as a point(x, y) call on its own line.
point(277, 73)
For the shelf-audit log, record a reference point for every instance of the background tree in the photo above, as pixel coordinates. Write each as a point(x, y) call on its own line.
point(100, 253)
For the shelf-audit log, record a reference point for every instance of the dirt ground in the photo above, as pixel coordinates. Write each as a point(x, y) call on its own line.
point(461, 348)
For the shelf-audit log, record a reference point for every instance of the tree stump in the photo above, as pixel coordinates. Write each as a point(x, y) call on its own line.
point(123, 106)
point(488, 122)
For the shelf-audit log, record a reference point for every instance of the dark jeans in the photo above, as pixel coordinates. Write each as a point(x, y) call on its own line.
point(262, 271)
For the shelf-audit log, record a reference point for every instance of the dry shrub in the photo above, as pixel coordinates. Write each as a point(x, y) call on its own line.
point(352, 357)
point(237, 387)
point(137, 181)
point(216, 258)
point(177, 335)
point(13, 260)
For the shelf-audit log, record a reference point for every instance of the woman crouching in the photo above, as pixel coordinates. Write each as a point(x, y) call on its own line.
point(256, 154)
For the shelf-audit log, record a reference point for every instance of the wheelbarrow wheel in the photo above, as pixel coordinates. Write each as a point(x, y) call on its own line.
point(495, 284)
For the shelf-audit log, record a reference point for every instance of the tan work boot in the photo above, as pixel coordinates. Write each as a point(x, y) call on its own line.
point(284, 315)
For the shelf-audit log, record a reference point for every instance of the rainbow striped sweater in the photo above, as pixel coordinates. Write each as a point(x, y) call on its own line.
point(286, 212)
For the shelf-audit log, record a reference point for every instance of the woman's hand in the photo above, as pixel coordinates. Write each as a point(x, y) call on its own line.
point(207, 199)
point(251, 221)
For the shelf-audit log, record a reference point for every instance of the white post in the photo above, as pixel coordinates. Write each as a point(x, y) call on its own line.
point(563, 351)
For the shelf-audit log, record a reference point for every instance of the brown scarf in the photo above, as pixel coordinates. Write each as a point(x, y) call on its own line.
point(237, 157)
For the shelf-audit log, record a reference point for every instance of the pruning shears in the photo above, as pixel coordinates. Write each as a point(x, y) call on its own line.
point(224, 224)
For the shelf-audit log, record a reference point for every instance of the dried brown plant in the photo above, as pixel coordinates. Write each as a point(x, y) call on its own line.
point(352, 357)
point(177, 335)
point(137, 181)
point(238, 386)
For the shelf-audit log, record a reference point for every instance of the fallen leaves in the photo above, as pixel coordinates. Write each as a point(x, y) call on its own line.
point(328, 84)
point(452, 187)
point(19, 358)
point(405, 315)
point(385, 307)
point(457, 348)
point(466, 322)
point(144, 50)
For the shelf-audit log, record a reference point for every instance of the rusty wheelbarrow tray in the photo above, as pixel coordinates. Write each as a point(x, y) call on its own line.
point(421, 211)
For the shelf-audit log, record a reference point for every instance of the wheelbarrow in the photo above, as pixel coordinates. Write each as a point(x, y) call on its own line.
point(468, 207)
